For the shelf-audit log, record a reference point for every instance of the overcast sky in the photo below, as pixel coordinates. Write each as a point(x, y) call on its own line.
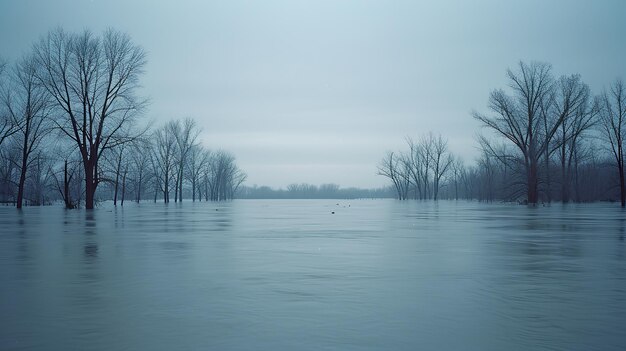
point(318, 91)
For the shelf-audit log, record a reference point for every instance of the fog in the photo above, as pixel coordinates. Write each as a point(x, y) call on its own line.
point(317, 91)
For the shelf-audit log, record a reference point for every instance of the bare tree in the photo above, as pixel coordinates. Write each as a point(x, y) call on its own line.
point(459, 175)
point(9, 171)
point(389, 167)
point(518, 118)
point(164, 159)
point(140, 158)
point(613, 125)
point(416, 160)
point(40, 181)
point(197, 160)
point(93, 82)
point(185, 134)
point(441, 161)
point(572, 102)
point(27, 104)
point(118, 165)
point(222, 177)
point(7, 123)
point(68, 182)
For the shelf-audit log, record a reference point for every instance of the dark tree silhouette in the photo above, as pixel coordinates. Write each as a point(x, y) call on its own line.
point(27, 104)
point(7, 123)
point(93, 80)
point(613, 123)
point(518, 118)
point(572, 101)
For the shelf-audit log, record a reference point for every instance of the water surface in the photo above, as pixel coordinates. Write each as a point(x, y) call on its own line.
point(290, 275)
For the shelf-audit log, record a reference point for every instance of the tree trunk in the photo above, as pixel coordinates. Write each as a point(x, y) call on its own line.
point(532, 183)
point(139, 186)
point(166, 190)
point(193, 191)
point(622, 186)
point(66, 188)
point(117, 178)
point(123, 188)
point(548, 184)
point(564, 181)
point(90, 185)
point(20, 187)
point(176, 189)
point(180, 184)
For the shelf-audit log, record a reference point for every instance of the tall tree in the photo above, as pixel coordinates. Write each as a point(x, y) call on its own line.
point(93, 81)
point(197, 160)
point(613, 125)
point(141, 151)
point(164, 159)
point(396, 168)
point(572, 101)
point(186, 134)
point(27, 103)
point(518, 118)
point(441, 161)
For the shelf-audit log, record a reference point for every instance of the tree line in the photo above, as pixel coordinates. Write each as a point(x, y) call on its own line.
point(310, 191)
point(550, 139)
point(70, 130)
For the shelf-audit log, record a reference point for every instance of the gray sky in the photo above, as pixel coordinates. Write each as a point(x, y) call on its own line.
point(318, 91)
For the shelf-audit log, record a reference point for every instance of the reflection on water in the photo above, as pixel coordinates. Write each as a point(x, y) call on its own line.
point(290, 275)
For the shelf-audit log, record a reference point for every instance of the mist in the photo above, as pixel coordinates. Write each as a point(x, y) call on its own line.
point(317, 92)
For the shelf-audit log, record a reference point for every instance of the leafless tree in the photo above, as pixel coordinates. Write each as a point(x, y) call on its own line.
point(41, 181)
point(197, 160)
point(185, 134)
point(518, 118)
point(424, 152)
point(7, 123)
point(613, 126)
point(389, 167)
point(222, 177)
point(93, 81)
point(459, 174)
point(118, 167)
point(140, 157)
point(413, 170)
point(417, 167)
point(9, 171)
point(68, 182)
point(441, 161)
point(572, 102)
point(164, 159)
point(27, 104)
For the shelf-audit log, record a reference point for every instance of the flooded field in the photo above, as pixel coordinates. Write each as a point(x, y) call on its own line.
point(291, 275)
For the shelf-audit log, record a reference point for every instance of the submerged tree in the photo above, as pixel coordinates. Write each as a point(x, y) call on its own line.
point(222, 177)
point(441, 162)
point(572, 102)
point(27, 104)
point(613, 123)
point(92, 80)
point(390, 167)
point(521, 118)
point(185, 134)
point(164, 162)
point(197, 160)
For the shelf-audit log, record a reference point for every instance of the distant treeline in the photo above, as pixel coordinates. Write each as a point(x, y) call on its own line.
point(70, 130)
point(308, 191)
point(552, 140)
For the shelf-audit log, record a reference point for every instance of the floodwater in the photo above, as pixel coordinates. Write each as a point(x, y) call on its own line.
point(290, 275)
